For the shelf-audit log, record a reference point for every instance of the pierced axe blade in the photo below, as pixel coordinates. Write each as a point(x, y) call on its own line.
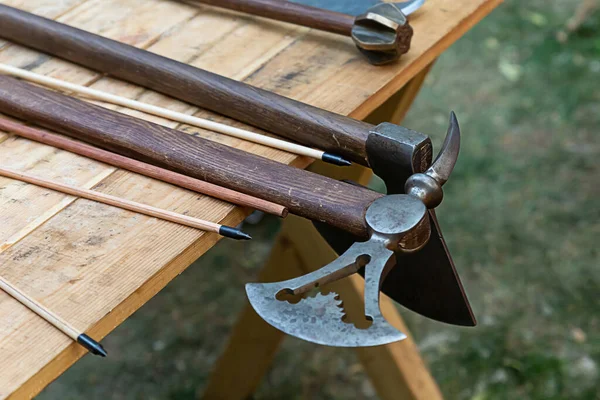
point(398, 224)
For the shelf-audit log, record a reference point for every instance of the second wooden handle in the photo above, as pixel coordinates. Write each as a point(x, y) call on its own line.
point(304, 193)
point(294, 13)
point(277, 114)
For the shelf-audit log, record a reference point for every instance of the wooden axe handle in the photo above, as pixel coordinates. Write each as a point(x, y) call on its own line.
point(304, 193)
point(286, 117)
point(293, 13)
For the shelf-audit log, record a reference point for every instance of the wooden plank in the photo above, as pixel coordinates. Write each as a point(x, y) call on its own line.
point(63, 70)
point(82, 279)
point(395, 108)
point(66, 259)
point(122, 14)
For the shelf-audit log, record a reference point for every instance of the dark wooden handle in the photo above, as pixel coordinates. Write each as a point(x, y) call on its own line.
point(304, 193)
point(277, 114)
point(294, 13)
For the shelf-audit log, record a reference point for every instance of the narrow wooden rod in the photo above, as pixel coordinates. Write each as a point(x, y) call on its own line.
point(294, 13)
point(119, 202)
point(40, 310)
point(142, 168)
point(164, 113)
point(53, 319)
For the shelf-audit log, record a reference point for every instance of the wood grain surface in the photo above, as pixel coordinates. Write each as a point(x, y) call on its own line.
point(294, 13)
point(93, 265)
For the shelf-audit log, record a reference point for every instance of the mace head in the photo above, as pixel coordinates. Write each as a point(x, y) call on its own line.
point(382, 33)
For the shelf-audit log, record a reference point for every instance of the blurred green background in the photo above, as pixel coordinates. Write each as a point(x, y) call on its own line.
point(521, 215)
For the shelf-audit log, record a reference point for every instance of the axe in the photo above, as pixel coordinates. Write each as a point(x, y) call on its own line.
point(396, 225)
point(380, 31)
point(428, 282)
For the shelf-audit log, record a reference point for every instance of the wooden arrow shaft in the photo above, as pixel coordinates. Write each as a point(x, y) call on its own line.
point(161, 112)
point(139, 167)
point(293, 13)
point(104, 198)
point(277, 114)
point(303, 193)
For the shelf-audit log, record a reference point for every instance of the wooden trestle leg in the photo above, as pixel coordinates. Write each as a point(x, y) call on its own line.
point(397, 370)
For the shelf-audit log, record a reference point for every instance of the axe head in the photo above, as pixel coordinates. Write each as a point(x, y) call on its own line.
point(398, 225)
point(426, 281)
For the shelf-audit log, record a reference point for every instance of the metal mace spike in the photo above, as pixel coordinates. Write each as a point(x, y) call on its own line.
point(398, 224)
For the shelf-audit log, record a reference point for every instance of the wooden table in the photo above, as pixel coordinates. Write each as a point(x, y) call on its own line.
point(95, 265)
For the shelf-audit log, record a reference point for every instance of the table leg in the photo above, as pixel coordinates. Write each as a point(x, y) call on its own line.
point(253, 343)
point(396, 370)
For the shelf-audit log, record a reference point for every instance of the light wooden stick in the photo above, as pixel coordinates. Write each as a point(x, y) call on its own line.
point(142, 168)
point(127, 204)
point(173, 115)
point(60, 324)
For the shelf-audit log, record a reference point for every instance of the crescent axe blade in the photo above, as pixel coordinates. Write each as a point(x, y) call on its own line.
point(321, 319)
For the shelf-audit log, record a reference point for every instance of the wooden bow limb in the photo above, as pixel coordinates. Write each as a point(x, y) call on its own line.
point(142, 168)
point(172, 115)
point(126, 204)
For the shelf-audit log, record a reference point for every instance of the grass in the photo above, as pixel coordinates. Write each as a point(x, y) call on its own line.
point(521, 215)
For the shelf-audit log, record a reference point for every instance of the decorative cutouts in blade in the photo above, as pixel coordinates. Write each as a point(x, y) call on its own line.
point(398, 224)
